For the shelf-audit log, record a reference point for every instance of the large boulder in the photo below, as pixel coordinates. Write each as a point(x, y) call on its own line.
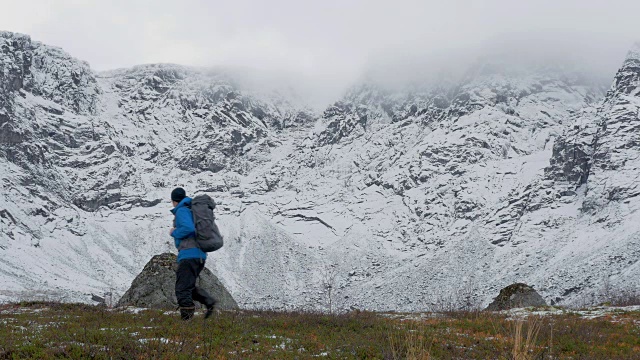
point(517, 295)
point(154, 287)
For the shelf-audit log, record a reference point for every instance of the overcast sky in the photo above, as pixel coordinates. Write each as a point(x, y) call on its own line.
point(330, 42)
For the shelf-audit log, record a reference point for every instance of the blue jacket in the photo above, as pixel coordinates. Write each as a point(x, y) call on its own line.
point(184, 229)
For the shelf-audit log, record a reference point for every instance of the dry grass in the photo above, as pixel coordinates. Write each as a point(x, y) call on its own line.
point(411, 342)
point(525, 341)
point(50, 330)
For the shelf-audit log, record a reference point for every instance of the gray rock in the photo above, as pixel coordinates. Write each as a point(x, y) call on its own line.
point(98, 299)
point(345, 118)
point(516, 296)
point(570, 160)
point(155, 286)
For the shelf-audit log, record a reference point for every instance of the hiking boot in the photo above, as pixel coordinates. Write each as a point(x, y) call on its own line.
point(187, 313)
point(209, 311)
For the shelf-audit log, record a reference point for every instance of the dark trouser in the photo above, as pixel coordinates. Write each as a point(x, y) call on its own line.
point(186, 289)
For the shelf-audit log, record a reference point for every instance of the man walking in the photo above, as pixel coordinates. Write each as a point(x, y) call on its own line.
point(190, 258)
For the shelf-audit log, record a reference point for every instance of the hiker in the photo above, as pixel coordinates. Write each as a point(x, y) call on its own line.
point(191, 258)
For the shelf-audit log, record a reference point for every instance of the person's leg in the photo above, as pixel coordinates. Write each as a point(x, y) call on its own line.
point(186, 276)
point(202, 296)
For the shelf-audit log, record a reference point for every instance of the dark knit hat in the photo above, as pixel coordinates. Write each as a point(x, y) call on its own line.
point(178, 194)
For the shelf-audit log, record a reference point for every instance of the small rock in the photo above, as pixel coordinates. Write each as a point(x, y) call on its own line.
point(517, 295)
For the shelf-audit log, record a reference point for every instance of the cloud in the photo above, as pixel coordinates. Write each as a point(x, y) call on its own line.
point(327, 44)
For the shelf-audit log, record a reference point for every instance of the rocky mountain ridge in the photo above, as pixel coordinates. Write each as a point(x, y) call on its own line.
point(390, 199)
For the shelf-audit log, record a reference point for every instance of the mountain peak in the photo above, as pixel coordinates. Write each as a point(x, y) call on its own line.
point(9, 34)
point(634, 52)
point(627, 80)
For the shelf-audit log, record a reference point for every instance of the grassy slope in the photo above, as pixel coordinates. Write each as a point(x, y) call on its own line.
point(46, 330)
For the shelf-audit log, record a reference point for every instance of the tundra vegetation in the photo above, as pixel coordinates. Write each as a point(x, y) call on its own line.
point(48, 330)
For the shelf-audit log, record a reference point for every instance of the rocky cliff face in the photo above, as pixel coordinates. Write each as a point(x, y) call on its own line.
point(80, 150)
point(586, 200)
point(613, 166)
point(451, 154)
point(389, 199)
point(434, 186)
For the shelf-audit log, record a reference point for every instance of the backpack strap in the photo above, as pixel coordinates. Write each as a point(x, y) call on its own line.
point(188, 243)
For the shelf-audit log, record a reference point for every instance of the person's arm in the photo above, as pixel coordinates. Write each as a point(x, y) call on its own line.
point(184, 224)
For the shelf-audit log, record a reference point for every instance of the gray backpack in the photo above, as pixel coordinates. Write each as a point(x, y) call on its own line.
point(208, 235)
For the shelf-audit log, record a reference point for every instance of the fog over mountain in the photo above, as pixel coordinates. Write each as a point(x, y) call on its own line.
point(322, 47)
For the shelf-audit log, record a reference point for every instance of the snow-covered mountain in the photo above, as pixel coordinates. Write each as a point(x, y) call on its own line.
point(437, 193)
